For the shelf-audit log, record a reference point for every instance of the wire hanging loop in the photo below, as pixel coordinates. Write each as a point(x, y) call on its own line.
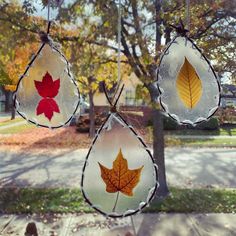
point(180, 29)
point(113, 108)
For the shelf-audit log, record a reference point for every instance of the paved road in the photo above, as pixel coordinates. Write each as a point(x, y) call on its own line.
point(201, 166)
point(185, 167)
point(145, 225)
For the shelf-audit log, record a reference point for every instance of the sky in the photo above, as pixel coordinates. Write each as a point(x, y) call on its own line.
point(43, 11)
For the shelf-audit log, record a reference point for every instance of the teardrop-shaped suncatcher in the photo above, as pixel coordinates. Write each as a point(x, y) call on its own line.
point(188, 85)
point(46, 93)
point(119, 175)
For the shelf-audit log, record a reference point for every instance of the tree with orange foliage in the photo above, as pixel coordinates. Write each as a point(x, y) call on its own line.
point(16, 49)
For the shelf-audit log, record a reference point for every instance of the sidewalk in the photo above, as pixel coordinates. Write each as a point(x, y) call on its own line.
point(160, 224)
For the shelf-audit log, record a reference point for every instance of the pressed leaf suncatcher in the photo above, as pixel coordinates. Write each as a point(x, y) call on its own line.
point(188, 85)
point(119, 175)
point(120, 178)
point(46, 93)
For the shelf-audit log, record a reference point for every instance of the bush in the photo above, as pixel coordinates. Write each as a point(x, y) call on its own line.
point(211, 124)
point(149, 123)
point(168, 123)
point(83, 123)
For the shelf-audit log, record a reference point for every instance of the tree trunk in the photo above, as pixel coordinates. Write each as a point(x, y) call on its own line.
point(7, 102)
point(91, 115)
point(13, 112)
point(158, 134)
point(158, 143)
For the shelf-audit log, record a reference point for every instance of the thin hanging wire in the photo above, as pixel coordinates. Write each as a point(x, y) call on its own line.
point(49, 5)
point(119, 51)
point(119, 43)
point(187, 19)
point(133, 226)
point(48, 18)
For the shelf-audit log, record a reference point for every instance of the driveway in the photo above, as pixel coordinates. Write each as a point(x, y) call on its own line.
point(184, 166)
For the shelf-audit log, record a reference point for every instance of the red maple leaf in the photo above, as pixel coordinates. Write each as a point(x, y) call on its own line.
point(47, 106)
point(47, 88)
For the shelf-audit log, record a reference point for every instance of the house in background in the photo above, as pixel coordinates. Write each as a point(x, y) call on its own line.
point(128, 96)
point(228, 96)
point(6, 97)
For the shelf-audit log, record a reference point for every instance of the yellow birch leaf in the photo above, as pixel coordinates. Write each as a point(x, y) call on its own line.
point(189, 85)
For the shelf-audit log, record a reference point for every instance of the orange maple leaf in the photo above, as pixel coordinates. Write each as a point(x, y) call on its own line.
point(120, 178)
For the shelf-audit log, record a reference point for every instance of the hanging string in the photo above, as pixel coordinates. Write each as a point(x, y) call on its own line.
point(187, 19)
point(114, 102)
point(119, 43)
point(44, 36)
point(133, 226)
point(119, 51)
point(58, 4)
point(48, 20)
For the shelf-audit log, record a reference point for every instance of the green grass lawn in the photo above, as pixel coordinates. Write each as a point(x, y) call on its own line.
point(221, 131)
point(16, 129)
point(204, 200)
point(172, 140)
point(9, 122)
point(193, 142)
point(210, 142)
